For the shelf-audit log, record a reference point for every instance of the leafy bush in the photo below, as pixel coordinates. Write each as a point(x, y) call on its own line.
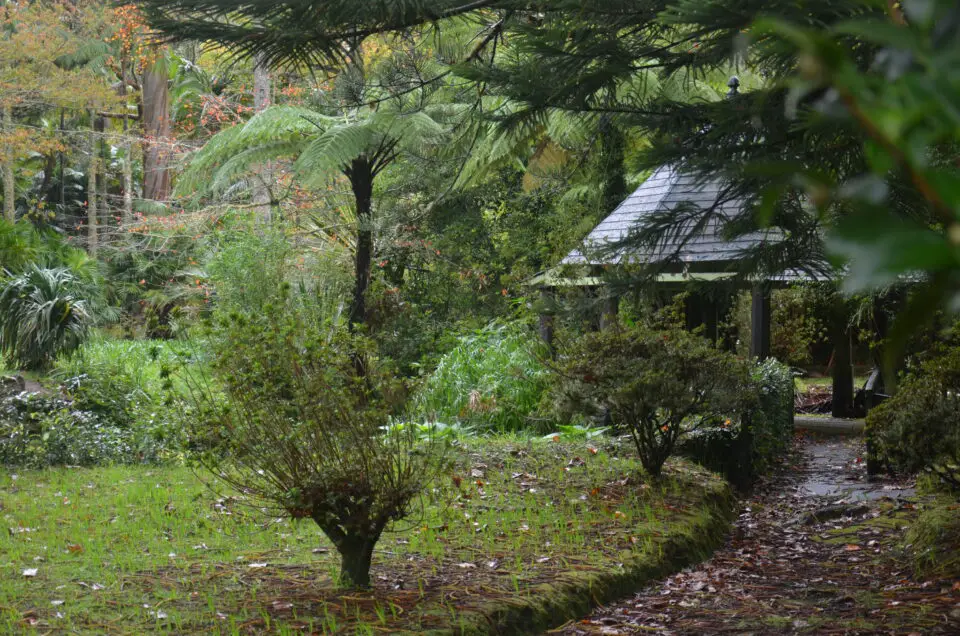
point(656, 384)
point(749, 448)
point(771, 422)
point(43, 313)
point(38, 430)
point(493, 379)
point(299, 418)
point(919, 427)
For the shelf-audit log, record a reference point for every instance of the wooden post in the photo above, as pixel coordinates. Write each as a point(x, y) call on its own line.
point(842, 369)
point(760, 322)
point(611, 308)
point(546, 319)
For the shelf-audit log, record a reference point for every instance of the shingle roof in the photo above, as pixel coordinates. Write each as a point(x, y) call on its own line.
point(664, 190)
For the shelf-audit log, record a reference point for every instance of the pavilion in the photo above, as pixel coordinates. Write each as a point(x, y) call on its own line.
point(686, 258)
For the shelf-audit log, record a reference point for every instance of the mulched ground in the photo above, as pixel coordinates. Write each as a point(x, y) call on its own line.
point(802, 560)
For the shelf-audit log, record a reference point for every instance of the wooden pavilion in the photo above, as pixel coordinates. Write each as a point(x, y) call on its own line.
point(699, 254)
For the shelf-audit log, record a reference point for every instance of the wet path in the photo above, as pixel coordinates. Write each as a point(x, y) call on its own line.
point(817, 550)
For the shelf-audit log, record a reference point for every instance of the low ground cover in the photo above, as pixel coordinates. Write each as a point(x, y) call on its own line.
point(520, 533)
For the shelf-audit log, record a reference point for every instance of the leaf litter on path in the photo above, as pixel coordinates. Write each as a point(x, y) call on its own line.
point(799, 562)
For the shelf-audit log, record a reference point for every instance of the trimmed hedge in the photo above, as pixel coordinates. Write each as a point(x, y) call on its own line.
point(918, 429)
point(742, 453)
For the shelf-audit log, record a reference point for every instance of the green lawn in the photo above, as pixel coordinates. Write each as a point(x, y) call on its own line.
point(128, 549)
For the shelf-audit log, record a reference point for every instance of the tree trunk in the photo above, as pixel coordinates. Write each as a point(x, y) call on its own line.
point(156, 123)
point(9, 178)
point(127, 183)
point(92, 207)
point(612, 167)
point(263, 173)
point(361, 180)
point(355, 557)
point(127, 151)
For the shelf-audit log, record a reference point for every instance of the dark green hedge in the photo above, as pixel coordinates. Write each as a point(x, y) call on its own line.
point(742, 453)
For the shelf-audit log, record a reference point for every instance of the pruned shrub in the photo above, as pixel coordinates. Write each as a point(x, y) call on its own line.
point(297, 414)
point(919, 427)
point(757, 439)
point(493, 379)
point(771, 422)
point(655, 385)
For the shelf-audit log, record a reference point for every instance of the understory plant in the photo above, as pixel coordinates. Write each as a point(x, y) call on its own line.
point(43, 313)
point(492, 380)
point(918, 429)
point(657, 385)
point(296, 413)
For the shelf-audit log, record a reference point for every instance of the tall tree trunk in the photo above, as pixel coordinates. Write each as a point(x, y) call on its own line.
point(611, 165)
point(156, 124)
point(9, 178)
point(361, 180)
point(263, 173)
point(127, 151)
point(92, 207)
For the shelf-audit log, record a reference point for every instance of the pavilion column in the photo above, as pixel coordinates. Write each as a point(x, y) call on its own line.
point(547, 318)
point(611, 308)
point(760, 322)
point(842, 372)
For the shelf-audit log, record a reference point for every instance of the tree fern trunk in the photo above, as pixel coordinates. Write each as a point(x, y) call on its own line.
point(9, 181)
point(263, 173)
point(361, 180)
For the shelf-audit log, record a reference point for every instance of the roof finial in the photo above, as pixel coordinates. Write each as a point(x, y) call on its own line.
point(734, 85)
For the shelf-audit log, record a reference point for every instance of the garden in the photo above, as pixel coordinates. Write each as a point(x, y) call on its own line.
point(478, 318)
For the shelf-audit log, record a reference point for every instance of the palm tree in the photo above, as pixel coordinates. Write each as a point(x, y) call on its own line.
point(43, 313)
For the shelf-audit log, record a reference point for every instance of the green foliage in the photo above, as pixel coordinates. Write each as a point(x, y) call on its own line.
point(891, 80)
point(297, 418)
point(43, 313)
point(796, 324)
point(919, 427)
point(250, 264)
point(655, 384)
point(38, 430)
point(771, 421)
point(112, 406)
point(493, 380)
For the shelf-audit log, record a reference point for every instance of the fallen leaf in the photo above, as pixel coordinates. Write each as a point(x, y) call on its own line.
point(75, 548)
point(852, 547)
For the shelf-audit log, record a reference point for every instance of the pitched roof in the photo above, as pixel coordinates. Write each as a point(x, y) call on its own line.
point(664, 190)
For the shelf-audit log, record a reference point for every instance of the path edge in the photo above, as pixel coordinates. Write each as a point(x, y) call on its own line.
point(575, 595)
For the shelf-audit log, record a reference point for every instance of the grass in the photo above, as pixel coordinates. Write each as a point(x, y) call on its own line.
point(935, 537)
point(522, 534)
